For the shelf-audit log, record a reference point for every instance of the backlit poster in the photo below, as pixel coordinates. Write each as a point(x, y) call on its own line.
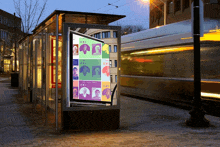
point(90, 69)
point(53, 62)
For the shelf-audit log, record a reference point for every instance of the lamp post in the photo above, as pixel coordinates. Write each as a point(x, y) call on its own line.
point(197, 118)
point(165, 12)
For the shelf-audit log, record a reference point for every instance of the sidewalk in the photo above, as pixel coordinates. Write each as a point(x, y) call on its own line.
point(142, 124)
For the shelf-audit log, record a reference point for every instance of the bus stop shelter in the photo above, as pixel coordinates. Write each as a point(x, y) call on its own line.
point(65, 70)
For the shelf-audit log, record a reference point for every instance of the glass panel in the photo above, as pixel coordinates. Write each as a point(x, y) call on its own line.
point(97, 35)
point(106, 34)
point(25, 67)
point(115, 63)
point(20, 67)
point(115, 48)
point(110, 50)
point(34, 68)
point(51, 69)
point(115, 34)
point(43, 67)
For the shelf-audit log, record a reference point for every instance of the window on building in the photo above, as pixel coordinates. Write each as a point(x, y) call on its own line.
point(116, 79)
point(5, 21)
point(170, 7)
point(97, 35)
point(110, 63)
point(115, 63)
point(115, 34)
point(106, 34)
point(177, 5)
point(152, 17)
point(213, 1)
point(186, 4)
point(115, 48)
point(111, 78)
point(0, 19)
point(110, 50)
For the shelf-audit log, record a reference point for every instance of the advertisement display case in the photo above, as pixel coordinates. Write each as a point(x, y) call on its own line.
point(86, 85)
point(90, 74)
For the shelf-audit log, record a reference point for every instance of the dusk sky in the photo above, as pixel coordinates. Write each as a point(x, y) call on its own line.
point(136, 11)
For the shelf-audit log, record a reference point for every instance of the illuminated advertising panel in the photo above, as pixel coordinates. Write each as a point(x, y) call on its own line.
point(53, 62)
point(90, 74)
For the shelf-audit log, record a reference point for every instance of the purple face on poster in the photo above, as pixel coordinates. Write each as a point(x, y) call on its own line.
point(96, 49)
point(84, 48)
point(85, 89)
point(107, 93)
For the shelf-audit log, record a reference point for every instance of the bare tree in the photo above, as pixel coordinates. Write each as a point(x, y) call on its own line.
point(30, 11)
point(128, 29)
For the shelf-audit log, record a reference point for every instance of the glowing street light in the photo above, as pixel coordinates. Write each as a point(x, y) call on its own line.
point(165, 8)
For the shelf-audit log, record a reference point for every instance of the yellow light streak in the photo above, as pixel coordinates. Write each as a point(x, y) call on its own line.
point(186, 38)
point(158, 51)
point(213, 95)
point(213, 35)
point(127, 47)
point(210, 82)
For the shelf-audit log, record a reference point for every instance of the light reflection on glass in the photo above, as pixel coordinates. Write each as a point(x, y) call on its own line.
point(158, 51)
point(213, 95)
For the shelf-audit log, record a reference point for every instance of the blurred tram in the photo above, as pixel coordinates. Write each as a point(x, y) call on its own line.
point(157, 64)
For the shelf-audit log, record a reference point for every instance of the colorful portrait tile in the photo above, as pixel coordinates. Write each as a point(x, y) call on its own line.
point(106, 91)
point(105, 70)
point(89, 49)
point(87, 70)
point(96, 93)
point(75, 93)
point(85, 90)
point(75, 49)
point(105, 51)
point(96, 49)
point(96, 72)
point(75, 69)
point(75, 89)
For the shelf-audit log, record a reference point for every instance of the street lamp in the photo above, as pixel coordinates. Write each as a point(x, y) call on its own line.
point(165, 9)
point(197, 118)
point(164, 12)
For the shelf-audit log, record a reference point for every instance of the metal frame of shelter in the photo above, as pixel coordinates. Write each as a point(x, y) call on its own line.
point(44, 53)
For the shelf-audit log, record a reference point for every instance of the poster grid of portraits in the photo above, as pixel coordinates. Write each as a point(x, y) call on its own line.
point(91, 74)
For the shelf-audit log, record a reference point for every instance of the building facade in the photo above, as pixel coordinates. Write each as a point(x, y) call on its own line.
point(110, 38)
point(179, 10)
point(10, 26)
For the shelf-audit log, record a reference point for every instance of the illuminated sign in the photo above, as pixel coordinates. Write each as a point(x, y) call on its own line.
point(90, 74)
point(53, 62)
